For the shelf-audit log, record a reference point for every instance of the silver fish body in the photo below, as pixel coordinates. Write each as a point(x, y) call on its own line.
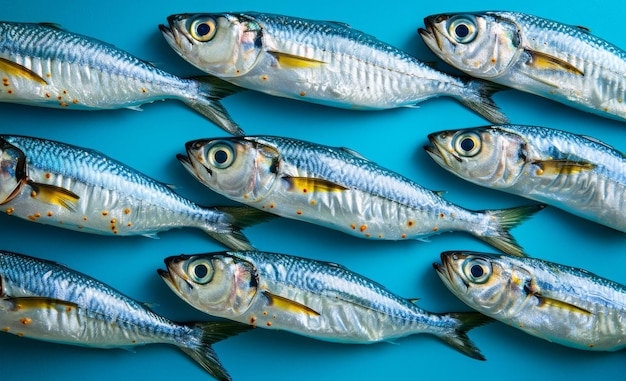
point(80, 189)
point(562, 304)
point(317, 299)
point(42, 300)
point(42, 65)
point(339, 189)
point(321, 62)
point(575, 173)
point(564, 63)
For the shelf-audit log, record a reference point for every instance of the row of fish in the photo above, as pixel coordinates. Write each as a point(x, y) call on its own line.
point(332, 64)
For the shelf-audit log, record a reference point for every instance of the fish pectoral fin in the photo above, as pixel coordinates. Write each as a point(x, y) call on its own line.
point(54, 195)
point(549, 302)
point(544, 61)
point(311, 184)
point(36, 302)
point(15, 69)
point(564, 167)
point(288, 304)
point(296, 62)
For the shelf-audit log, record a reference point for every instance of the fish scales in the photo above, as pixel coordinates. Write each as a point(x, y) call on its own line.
point(579, 174)
point(317, 61)
point(557, 61)
point(317, 299)
point(559, 303)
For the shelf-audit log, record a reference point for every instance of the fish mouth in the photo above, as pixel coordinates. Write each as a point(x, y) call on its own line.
point(190, 167)
point(446, 270)
point(429, 33)
point(174, 273)
point(435, 151)
point(179, 41)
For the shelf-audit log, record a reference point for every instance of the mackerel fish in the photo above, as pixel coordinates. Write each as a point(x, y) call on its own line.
point(322, 62)
point(81, 189)
point(317, 299)
point(339, 189)
point(561, 304)
point(43, 300)
point(43, 65)
point(560, 62)
point(578, 174)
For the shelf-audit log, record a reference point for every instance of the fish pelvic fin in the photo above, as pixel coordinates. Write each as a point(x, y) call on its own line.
point(505, 220)
point(18, 70)
point(292, 61)
point(209, 333)
point(54, 195)
point(543, 61)
point(210, 91)
point(241, 217)
point(480, 101)
point(459, 340)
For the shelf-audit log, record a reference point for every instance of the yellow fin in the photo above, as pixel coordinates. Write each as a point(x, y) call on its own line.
point(289, 305)
point(547, 62)
point(36, 302)
point(293, 61)
point(565, 167)
point(51, 194)
point(309, 184)
point(18, 70)
point(544, 301)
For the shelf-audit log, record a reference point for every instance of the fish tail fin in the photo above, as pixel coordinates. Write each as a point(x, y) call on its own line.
point(480, 101)
point(505, 220)
point(206, 334)
point(459, 340)
point(210, 91)
point(241, 217)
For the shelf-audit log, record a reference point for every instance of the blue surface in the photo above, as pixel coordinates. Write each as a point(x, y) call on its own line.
point(149, 141)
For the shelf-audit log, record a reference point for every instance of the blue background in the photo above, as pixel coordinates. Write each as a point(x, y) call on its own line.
point(149, 141)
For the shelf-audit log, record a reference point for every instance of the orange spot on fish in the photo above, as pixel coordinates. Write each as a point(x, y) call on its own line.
point(269, 323)
point(380, 236)
point(264, 313)
point(129, 224)
point(20, 334)
point(403, 236)
point(33, 194)
point(252, 320)
point(47, 175)
point(299, 212)
point(363, 228)
point(49, 214)
point(10, 211)
point(368, 235)
point(75, 101)
point(105, 213)
point(59, 97)
point(114, 221)
point(127, 211)
point(65, 92)
point(48, 75)
point(410, 223)
point(48, 95)
point(264, 77)
point(435, 229)
point(353, 226)
point(26, 321)
point(115, 231)
point(313, 202)
point(85, 218)
point(302, 93)
point(6, 329)
point(271, 206)
point(63, 104)
point(10, 91)
point(68, 309)
point(143, 90)
point(32, 218)
point(441, 215)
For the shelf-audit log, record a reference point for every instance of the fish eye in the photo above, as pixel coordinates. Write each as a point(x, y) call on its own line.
point(462, 29)
point(477, 270)
point(203, 29)
point(467, 144)
point(221, 155)
point(200, 271)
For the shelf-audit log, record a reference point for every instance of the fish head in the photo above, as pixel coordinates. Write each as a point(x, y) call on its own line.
point(13, 171)
point(481, 45)
point(489, 156)
point(493, 284)
point(224, 45)
point(220, 284)
point(240, 168)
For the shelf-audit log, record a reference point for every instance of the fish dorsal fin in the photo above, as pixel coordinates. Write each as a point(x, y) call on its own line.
point(582, 28)
point(352, 152)
point(15, 69)
point(296, 62)
point(414, 300)
point(562, 167)
point(52, 25)
point(37, 302)
point(54, 195)
point(543, 61)
point(311, 184)
point(289, 305)
point(550, 302)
